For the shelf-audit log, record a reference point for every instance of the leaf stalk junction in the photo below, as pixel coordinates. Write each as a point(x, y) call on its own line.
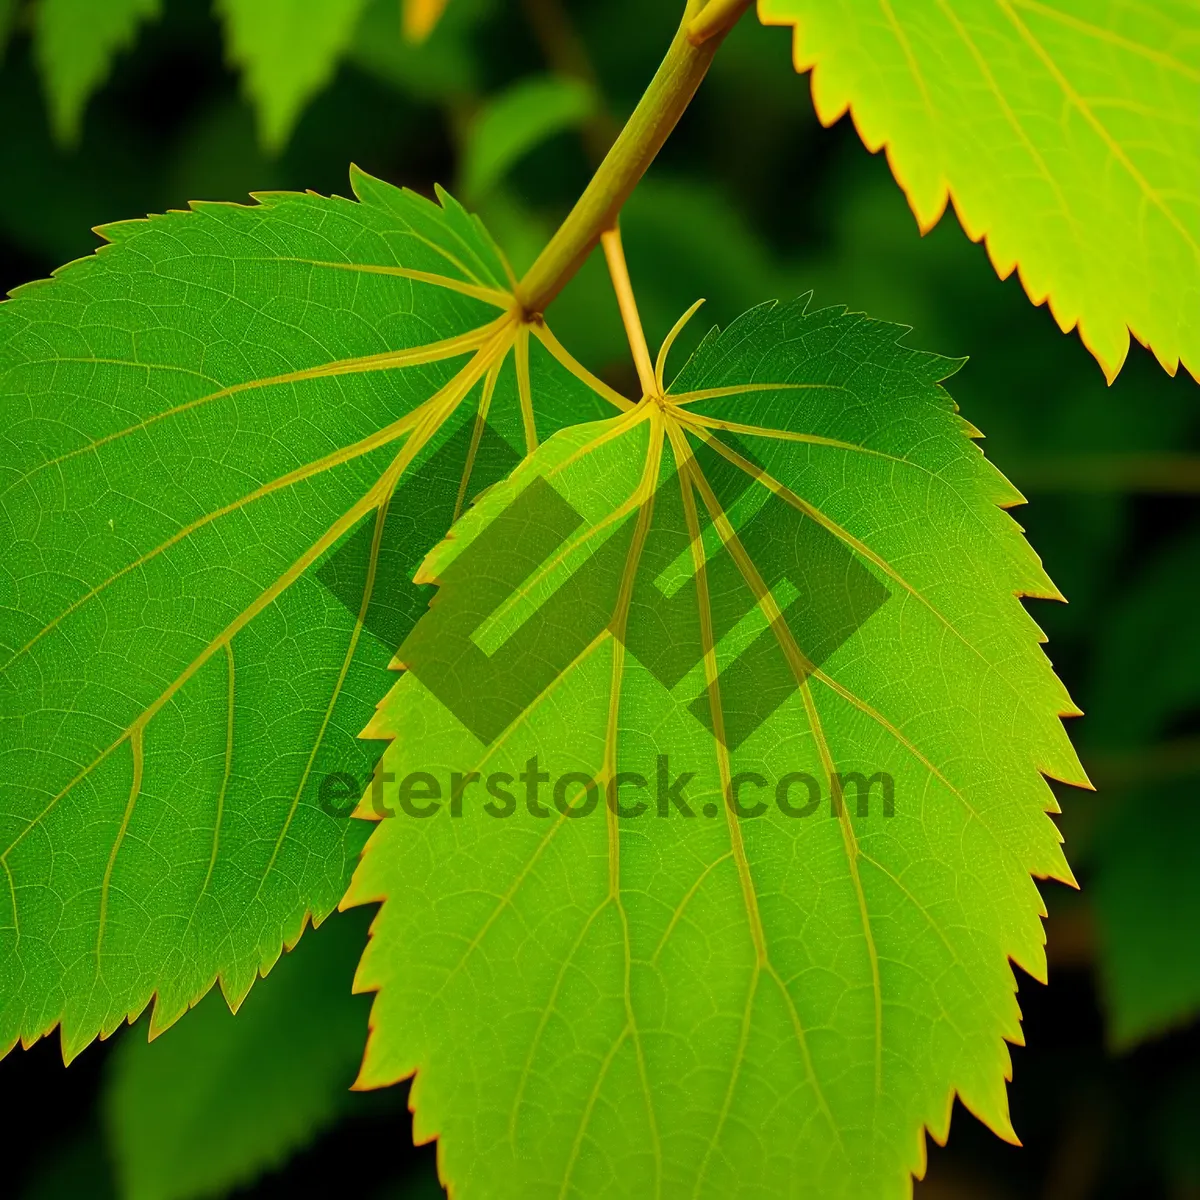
point(700, 33)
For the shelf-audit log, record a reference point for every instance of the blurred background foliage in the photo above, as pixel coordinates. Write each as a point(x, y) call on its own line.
point(110, 109)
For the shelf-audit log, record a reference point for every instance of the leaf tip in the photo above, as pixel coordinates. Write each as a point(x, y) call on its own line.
point(360, 181)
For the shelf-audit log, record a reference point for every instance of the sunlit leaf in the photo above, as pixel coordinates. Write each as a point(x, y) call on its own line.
point(792, 568)
point(76, 42)
point(226, 440)
point(1071, 442)
point(288, 51)
point(1065, 133)
point(514, 122)
point(220, 1099)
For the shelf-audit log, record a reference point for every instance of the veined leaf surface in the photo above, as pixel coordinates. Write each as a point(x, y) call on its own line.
point(605, 1003)
point(1066, 133)
point(209, 433)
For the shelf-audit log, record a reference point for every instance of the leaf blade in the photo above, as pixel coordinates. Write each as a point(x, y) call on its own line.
point(676, 1004)
point(229, 437)
point(1062, 137)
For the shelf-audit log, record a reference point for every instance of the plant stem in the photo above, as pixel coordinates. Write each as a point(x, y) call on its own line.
point(663, 103)
point(614, 253)
point(715, 19)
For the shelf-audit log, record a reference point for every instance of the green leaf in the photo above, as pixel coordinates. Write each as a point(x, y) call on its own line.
point(1066, 134)
point(76, 42)
point(514, 122)
point(226, 440)
point(219, 1100)
point(801, 549)
point(287, 51)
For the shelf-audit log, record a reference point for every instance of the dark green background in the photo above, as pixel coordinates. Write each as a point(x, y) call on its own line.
point(752, 200)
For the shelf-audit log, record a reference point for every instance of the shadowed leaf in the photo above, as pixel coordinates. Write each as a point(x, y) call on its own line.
point(220, 1099)
point(1144, 881)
